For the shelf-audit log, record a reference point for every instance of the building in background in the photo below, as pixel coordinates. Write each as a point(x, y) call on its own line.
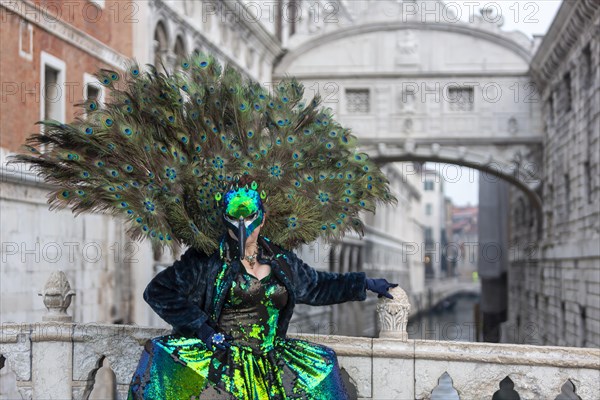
point(554, 269)
point(434, 223)
point(450, 250)
point(493, 255)
point(465, 240)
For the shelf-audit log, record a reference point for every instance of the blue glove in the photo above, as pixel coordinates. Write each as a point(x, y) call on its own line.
point(213, 339)
point(380, 286)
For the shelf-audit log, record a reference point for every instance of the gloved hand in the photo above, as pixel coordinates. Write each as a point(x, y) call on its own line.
point(380, 286)
point(213, 339)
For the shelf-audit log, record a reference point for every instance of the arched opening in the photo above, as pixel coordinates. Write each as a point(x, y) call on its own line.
point(105, 383)
point(250, 57)
point(8, 381)
point(161, 46)
point(179, 50)
point(445, 389)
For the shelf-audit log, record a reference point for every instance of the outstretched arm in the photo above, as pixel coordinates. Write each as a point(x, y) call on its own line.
point(319, 288)
point(176, 293)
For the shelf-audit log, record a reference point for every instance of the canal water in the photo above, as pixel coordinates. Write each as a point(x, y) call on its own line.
point(455, 321)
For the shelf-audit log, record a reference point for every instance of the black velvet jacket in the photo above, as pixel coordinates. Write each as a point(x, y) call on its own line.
point(193, 290)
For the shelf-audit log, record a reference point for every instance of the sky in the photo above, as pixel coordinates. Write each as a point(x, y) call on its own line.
point(529, 17)
point(460, 183)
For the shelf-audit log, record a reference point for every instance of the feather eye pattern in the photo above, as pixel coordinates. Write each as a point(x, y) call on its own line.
point(163, 147)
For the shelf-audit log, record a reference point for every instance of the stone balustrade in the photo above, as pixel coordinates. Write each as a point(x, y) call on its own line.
point(59, 359)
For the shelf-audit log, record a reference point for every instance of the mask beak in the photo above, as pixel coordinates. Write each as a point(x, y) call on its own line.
point(242, 238)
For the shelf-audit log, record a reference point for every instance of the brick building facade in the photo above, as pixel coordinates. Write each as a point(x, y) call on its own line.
point(50, 50)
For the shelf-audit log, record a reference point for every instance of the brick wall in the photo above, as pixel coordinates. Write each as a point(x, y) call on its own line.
point(20, 71)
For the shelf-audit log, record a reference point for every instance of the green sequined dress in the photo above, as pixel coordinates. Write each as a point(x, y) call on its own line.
point(258, 365)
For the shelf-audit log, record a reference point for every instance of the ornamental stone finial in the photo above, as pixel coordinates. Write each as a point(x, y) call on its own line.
point(57, 294)
point(393, 315)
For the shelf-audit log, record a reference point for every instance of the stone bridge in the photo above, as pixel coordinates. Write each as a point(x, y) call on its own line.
point(497, 158)
point(415, 83)
point(441, 289)
point(59, 359)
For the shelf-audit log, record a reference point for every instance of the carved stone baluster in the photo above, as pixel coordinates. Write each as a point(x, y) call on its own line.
point(51, 342)
point(57, 294)
point(393, 315)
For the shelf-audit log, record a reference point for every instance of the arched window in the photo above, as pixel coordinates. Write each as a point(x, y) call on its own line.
point(250, 58)
point(179, 51)
point(161, 43)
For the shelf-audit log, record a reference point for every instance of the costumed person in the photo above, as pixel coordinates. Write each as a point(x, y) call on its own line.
point(203, 158)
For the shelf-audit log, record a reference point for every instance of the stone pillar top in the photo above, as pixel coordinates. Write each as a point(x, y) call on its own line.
point(393, 315)
point(57, 294)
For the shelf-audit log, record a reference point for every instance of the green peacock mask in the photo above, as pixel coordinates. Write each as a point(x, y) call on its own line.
point(243, 213)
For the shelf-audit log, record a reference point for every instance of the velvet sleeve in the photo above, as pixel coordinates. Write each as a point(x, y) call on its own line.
point(320, 288)
point(176, 292)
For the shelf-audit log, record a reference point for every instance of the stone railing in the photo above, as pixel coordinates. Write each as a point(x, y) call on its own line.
point(59, 359)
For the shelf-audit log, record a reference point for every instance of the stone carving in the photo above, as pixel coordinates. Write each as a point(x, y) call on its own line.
point(357, 100)
point(393, 315)
point(407, 48)
point(461, 98)
point(513, 125)
point(409, 146)
point(57, 297)
point(407, 126)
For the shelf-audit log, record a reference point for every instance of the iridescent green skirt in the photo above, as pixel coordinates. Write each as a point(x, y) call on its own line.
point(177, 367)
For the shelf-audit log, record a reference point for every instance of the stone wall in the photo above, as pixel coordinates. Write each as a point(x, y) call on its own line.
point(36, 241)
point(554, 275)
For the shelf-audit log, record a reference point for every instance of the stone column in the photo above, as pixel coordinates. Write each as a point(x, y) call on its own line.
point(51, 348)
point(393, 315)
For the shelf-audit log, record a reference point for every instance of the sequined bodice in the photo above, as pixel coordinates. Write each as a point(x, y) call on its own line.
point(251, 311)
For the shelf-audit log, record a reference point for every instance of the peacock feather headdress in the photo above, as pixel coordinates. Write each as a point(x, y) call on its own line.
point(167, 146)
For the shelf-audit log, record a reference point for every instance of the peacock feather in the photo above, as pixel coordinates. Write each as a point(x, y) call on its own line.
point(167, 146)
